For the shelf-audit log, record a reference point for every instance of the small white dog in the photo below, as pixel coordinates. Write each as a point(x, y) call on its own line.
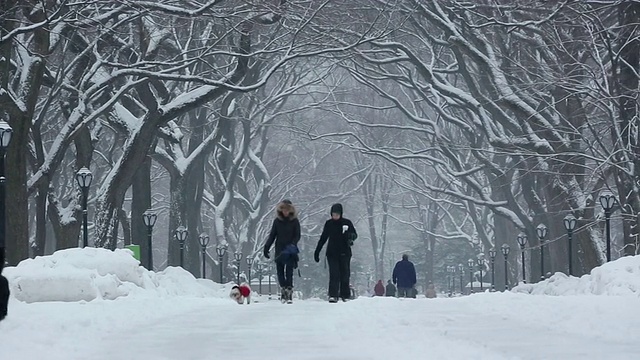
point(240, 293)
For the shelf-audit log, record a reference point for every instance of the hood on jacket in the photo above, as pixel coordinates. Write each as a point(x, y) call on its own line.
point(336, 209)
point(286, 204)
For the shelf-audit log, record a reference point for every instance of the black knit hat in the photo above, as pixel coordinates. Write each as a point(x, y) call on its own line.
point(336, 209)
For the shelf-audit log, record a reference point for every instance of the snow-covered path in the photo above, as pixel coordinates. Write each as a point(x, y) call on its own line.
point(483, 326)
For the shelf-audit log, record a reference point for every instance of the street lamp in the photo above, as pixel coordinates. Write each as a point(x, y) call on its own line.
point(149, 217)
point(481, 266)
point(220, 251)
point(450, 270)
point(270, 270)
point(541, 230)
point(84, 178)
point(249, 262)
point(5, 139)
point(261, 271)
point(461, 271)
point(505, 252)
point(570, 225)
point(204, 242)
point(238, 257)
point(471, 264)
point(181, 235)
point(492, 256)
point(608, 201)
point(522, 241)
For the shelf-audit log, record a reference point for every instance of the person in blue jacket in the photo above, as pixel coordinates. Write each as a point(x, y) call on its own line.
point(404, 275)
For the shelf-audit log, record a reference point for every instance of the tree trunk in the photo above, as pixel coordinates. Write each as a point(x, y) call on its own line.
point(140, 202)
point(627, 85)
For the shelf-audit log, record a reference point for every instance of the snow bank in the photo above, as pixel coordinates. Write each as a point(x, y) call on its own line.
point(617, 278)
point(91, 273)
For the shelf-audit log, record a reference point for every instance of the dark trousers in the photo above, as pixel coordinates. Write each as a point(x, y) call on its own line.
point(285, 274)
point(4, 296)
point(339, 273)
point(406, 292)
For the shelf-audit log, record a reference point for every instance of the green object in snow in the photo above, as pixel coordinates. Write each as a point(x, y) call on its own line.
point(135, 249)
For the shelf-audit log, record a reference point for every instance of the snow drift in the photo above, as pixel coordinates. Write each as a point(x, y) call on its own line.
point(616, 278)
point(93, 273)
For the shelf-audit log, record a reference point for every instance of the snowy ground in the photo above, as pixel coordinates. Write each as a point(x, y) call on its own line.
point(155, 325)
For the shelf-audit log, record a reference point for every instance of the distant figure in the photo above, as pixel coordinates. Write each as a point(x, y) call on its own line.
point(431, 292)
point(378, 290)
point(404, 275)
point(391, 289)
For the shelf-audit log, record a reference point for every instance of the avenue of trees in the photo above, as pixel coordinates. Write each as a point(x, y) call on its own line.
point(446, 127)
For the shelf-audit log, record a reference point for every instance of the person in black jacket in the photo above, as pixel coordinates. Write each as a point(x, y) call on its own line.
point(285, 232)
point(340, 234)
point(4, 288)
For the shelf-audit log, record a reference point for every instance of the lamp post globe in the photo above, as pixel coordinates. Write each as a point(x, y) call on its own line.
point(181, 236)
point(570, 224)
point(541, 231)
point(84, 177)
point(149, 217)
point(608, 201)
point(5, 135)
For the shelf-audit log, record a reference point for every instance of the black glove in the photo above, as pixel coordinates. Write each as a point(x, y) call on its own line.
point(316, 256)
point(266, 254)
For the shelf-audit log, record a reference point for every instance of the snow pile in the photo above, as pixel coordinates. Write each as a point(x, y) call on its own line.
point(93, 273)
point(617, 278)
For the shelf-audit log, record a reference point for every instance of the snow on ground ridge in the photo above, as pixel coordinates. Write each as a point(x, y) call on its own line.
point(87, 274)
point(616, 278)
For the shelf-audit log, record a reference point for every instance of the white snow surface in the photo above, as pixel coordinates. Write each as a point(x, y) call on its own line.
point(171, 315)
point(616, 278)
point(87, 274)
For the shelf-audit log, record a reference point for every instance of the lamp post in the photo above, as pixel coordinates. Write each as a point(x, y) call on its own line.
point(261, 271)
point(204, 242)
point(492, 256)
point(249, 263)
point(481, 266)
point(505, 252)
point(541, 230)
point(570, 225)
point(270, 270)
point(522, 241)
point(181, 235)
point(471, 264)
point(5, 139)
point(238, 257)
point(84, 178)
point(450, 270)
point(149, 217)
point(608, 201)
point(461, 271)
point(220, 251)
